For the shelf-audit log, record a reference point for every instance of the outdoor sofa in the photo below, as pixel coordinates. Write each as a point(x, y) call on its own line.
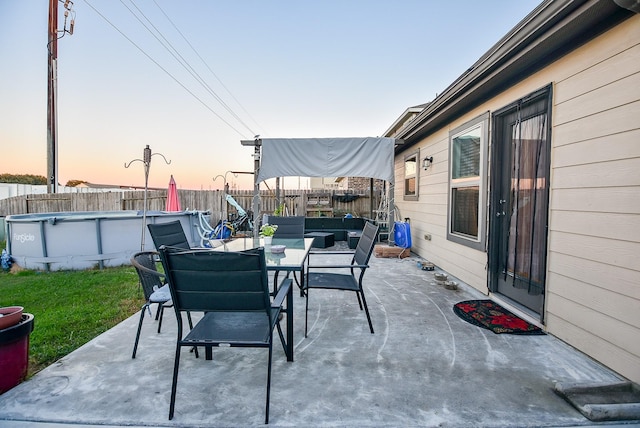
point(328, 229)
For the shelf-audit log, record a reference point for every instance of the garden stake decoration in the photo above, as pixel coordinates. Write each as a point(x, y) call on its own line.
point(146, 160)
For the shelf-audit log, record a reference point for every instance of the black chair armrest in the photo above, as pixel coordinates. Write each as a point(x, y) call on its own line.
point(332, 252)
point(337, 266)
point(283, 289)
point(147, 270)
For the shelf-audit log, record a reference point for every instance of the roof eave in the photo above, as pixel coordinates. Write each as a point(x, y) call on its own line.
point(397, 125)
point(550, 31)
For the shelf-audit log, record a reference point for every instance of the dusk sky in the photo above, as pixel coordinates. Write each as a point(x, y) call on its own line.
point(285, 69)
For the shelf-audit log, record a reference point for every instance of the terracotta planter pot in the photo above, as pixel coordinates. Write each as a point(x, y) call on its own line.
point(10, 316)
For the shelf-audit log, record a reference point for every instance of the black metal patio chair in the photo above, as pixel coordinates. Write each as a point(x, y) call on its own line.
point(290, 227)
point(232, 290)
point(170, 234)
point(154, 288)
point(349, 281)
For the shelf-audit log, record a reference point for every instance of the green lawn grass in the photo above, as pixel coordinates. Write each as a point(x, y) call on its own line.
point(70, 307)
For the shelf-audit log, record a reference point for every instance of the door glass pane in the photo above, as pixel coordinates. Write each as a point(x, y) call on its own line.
point(527, 231)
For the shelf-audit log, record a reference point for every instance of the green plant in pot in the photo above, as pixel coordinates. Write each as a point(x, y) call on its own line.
point(267, 231)
point(279, 211)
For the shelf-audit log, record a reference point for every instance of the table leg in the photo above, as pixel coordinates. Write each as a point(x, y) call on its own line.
point(301, 285)
point(289, 312)
point(275, 282)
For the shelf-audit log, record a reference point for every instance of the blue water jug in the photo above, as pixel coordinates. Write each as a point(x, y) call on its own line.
point(402, 234)
point(223, 230)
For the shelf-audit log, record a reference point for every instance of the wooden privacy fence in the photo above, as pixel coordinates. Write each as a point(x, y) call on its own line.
point(296, 202)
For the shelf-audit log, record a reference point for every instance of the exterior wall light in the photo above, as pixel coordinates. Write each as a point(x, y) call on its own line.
point(426, 162)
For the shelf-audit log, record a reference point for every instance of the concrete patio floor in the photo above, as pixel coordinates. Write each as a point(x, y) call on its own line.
point(424, 366)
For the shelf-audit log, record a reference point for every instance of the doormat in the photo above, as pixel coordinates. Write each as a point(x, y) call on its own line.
point(490, 315)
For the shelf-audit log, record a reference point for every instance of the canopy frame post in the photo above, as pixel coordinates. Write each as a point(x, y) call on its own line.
point(255, 203)
point(391, 214)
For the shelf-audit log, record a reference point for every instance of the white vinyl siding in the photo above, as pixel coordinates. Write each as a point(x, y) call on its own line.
point(594, 271)
point(593, 274)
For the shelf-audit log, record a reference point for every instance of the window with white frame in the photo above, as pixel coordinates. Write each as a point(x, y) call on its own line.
point(411, 177)
point(468, 146)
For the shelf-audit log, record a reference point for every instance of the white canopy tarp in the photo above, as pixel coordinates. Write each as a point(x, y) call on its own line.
point(327, 157)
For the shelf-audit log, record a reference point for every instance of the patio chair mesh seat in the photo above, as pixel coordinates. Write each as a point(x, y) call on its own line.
point(232, 328)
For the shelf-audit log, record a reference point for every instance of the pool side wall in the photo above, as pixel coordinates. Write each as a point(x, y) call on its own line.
point(83, 240)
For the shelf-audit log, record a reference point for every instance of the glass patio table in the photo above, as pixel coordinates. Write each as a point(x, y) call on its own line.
point(291, 260)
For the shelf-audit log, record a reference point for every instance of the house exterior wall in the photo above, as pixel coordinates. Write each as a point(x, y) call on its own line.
point(327, 183)
point(593, 269)
point(354, 184)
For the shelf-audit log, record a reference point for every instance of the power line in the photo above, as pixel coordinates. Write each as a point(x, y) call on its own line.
point(162, 68)
point(207, 65)
point(182, 61)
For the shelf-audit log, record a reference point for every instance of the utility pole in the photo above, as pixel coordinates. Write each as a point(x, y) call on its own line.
point(52, 131)
point(52, 88)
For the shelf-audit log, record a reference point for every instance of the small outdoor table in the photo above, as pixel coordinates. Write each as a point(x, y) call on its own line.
point(291, 260)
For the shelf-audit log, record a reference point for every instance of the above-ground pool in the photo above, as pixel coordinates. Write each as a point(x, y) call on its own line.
point(86, 239)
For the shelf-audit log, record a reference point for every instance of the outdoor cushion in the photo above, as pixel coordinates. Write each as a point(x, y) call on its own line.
point(161, 294)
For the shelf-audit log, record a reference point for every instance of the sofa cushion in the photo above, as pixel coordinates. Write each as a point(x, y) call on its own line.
point(321, 239)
